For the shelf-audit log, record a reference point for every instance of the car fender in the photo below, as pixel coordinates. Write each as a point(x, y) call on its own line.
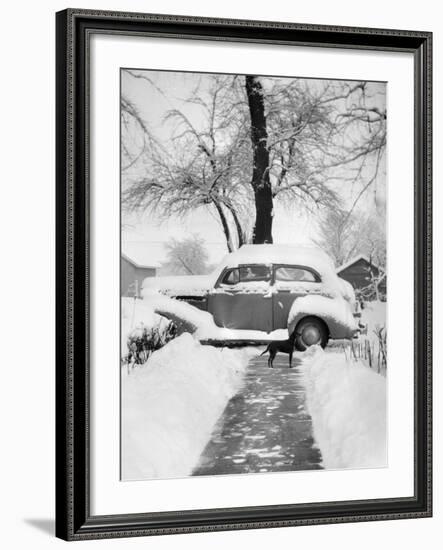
point(336, 313)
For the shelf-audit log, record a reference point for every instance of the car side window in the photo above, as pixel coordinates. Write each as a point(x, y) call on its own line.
point(252, 273)
point(231, 277)
point(247, 274)
point(294, 274)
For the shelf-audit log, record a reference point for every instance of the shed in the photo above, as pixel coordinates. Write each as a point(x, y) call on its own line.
point(367, 278)
point(133, 273)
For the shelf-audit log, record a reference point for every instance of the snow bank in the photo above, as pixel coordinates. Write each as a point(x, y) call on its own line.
point(201, 323)
point(170, 406)
point(135, 316)
point(336, 312)
point(347, 403)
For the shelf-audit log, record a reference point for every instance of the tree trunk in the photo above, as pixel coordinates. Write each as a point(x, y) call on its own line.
point(260, 175)
point(240, 234)
point(225, 225)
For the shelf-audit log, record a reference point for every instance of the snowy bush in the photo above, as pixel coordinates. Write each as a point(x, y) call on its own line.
point(142, 331)
point(143, 341)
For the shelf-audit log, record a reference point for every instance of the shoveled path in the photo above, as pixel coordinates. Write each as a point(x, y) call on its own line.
point(265, 427)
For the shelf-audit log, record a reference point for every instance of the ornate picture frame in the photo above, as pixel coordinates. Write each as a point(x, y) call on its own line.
point(74, 518)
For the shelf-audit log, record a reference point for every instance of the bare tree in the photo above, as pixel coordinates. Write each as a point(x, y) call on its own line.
point(186, 256)
point(204, 167)
point(137, 136)
point(257, 141)
point(339, 236)
point(344, 234)
point(323, 135)
point(308, 139)
point(373, 239)
point(377, 278)
point(135, 133)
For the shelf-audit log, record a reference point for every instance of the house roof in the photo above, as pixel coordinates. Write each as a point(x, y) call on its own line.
point(354, 260)
point(140, 260)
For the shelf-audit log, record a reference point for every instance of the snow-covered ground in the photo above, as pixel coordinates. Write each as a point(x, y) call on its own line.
point(347, 403)
point(171, 404)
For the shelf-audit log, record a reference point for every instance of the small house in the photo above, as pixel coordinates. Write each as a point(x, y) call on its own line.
point(368, 279)
point(133, 273)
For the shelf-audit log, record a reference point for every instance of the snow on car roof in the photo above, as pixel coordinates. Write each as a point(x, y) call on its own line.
point(310, 256)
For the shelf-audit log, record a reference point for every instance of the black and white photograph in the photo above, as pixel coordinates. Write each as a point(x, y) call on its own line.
point(253, 274)
point(219, 254)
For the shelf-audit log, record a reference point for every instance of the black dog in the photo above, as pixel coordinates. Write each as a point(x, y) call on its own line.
point(285, 346)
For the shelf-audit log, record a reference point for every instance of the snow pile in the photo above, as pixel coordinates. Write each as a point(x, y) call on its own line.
point(336, 312)
point(137, 315)
point(170, 406)
point(200, 323)
point(347, 403)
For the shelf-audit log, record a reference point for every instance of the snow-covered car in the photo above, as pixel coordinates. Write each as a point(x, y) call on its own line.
point(269, 287)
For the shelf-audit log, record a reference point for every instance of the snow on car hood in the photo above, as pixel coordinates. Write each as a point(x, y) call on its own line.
point(180, 285)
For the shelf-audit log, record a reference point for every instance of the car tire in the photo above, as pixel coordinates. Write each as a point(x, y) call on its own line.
point(311, 331)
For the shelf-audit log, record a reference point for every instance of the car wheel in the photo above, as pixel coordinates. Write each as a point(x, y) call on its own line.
point(311, 331)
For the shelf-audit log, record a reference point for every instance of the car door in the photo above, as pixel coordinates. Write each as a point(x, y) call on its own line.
point(242, 298)
point(290, 283)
